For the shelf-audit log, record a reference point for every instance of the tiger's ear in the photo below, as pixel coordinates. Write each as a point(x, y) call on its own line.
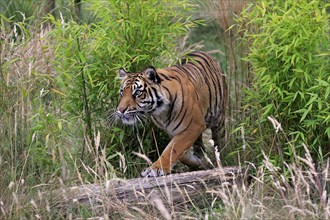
point(122, 73)
point(152, 74)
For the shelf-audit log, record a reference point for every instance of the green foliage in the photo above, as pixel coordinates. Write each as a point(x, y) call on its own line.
point(34, 12)
point(20, 10)
point(289, 55)
point(31, 127)
point(129, 34)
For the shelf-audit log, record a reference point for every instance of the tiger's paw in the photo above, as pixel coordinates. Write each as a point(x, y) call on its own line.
point(159, 168)
point(152, 172)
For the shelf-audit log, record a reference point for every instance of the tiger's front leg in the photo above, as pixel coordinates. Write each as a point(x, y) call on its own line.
point(174, 150)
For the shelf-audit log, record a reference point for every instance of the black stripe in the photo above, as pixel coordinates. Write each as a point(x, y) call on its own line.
point(152, 102)
point(155, 92)
point(167, 90)
point(187, 125)
point(164, 76)
point(215, 78)
point(184, 114)
point(189, 78)
point(219, 81)
point(169, 114)
point(185, 69)
point(206, 81)
point(182, 102)
point(179, 71)
point(211, 76)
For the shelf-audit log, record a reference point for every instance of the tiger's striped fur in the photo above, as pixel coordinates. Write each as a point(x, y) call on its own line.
point(183, 100)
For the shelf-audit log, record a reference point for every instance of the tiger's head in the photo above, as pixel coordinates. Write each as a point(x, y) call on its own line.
point(141, 95)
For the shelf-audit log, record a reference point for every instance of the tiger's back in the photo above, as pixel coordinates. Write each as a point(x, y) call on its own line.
point(183, 100)
point(203, 72)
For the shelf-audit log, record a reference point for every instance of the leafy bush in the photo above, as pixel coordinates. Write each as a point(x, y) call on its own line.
point(30, 132)
point(20, 10)
point(129, 34)
point(289, 55)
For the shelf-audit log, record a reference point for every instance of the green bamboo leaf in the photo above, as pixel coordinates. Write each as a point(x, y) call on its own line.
point(82, 57)
point(298, 70)
point(90, 77)
point(327, 92)
point(327, 132)
point(311, 100)
point(319, 104)
point(267, 109)
point(306, 112)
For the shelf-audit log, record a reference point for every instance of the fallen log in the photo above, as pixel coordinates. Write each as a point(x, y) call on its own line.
point(172, 189)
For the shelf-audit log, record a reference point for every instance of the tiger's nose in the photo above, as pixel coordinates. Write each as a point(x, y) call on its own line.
point(121, 110)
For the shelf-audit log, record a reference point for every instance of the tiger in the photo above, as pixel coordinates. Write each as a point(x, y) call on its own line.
point(183, 100)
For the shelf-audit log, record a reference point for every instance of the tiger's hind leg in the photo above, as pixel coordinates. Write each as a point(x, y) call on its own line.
point(190, 159)
point(198, 146)
point(219, 136)
point(194, 157)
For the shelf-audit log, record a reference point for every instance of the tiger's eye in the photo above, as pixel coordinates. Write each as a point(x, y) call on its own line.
point(137, 93)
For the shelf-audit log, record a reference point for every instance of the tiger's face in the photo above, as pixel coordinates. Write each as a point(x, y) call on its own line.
point(140, 95)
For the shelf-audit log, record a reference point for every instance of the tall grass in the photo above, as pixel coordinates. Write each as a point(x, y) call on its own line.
point(268, 193)
point(32, 139)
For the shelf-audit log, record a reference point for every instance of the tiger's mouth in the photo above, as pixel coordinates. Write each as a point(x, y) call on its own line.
point(131, 118)
point(128, 119)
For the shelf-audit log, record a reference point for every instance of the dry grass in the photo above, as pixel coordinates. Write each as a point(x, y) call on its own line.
point(224, 11)
point(301, 191)
point(270, 193)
